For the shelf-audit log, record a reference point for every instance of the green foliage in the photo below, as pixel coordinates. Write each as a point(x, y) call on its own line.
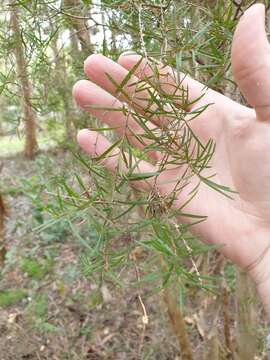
point(112, 205)
point(35, 188)
point(11, 297)
point(46, 327)
point(95, 299)
point(36, 269)
point(37, 313)
point(194, 38)
point(38, 307)
point(230, 275)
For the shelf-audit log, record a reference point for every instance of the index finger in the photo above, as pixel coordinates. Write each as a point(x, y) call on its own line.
point(184, 90)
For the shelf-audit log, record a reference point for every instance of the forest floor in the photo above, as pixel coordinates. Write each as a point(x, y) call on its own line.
point(48, 309)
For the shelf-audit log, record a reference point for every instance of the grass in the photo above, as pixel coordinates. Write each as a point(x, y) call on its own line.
point(11, 297)
point(39, 306)
point(36, 269)
point(37, 312)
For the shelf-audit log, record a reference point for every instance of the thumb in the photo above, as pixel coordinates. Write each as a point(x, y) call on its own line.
point(251, 60)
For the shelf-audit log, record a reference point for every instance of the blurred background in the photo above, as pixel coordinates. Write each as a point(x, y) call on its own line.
point(82, 277)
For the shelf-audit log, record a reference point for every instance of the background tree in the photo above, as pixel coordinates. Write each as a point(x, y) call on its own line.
point(29, 117)
point(76, 16)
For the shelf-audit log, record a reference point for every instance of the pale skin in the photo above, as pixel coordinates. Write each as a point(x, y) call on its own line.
point(242, 134)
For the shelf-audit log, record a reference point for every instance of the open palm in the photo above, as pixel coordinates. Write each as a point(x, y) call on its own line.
point(242, 135)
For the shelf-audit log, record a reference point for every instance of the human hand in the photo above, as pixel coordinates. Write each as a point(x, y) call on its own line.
point(242, 135)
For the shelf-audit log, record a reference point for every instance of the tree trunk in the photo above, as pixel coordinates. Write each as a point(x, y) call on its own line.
point(178, 324)
point(2, 215)
point(61, 77)
point(176, 319)
point(2, 243)
point(74, 41)
point(247, 317)
point(77, 22)
point(28, 114)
